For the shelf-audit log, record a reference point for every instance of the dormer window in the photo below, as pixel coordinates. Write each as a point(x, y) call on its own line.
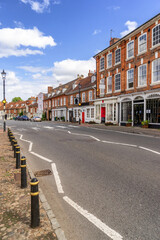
point(53, 93)
point(58, 91)
point(63, 90)
point(74, 85)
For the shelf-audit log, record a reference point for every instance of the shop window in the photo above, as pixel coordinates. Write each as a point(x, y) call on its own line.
point(153, 110)
point(110, 112)
point(92, 112)
point(88, 112)
point(126, 111)
point(98, 116)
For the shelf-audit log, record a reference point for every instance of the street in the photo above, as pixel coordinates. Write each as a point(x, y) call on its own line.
point(105, 185)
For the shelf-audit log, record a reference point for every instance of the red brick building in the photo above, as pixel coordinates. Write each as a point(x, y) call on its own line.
point(128, 77)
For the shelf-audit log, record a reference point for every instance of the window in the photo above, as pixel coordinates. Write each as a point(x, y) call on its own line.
point(130, 78)
point(142, 43)
point(118, 56)
point(53, 102)
point(153, 110)
point(88, 112)
point(71, 100)
point(109, 60)
point(142, 75)
point(90, 95)
point(98, 112)
point(102, 63)
point(117, 82)
point(156, 35)
point(126, 111)
point(49, 103)
point(110, 112)
point(64, 99)
point(130, 49)
point(92, 112)
point(61, 101)
point(83, 96)
point(156, 71)
point(109, 84)
point(58, 101)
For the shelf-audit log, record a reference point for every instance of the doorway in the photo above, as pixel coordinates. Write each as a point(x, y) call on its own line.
point(103, 112)
point(138, 114)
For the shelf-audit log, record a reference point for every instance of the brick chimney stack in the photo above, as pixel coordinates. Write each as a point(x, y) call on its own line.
point(50, 89)
point(113, 40)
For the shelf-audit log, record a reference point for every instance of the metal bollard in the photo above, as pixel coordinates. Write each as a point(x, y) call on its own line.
point(35, 217)
point(14, 147)
point(10, 134)
point(11, 137)
point(17, 156)
point(13, 142)
point(8, 131)
point(23, 173)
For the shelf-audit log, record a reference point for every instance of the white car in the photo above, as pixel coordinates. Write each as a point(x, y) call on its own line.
point(36, 119)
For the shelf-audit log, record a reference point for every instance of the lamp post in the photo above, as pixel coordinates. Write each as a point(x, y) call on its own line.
point(79, 86)
point(4, 100)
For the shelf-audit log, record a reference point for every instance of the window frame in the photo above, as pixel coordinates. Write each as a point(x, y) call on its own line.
point(132, 41)
point(152, 36)
point(83, 97)
point(128, 88)
point(115, 82)
point(101, 69)
point(139, 43)
point(158, 59)
point(115, 56)
point(142, 75)
point(107, 60)
point(90, 95)
point(71, 99)
point(108, 85)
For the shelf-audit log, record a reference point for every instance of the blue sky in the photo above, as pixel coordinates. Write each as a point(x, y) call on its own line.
point(47, 42)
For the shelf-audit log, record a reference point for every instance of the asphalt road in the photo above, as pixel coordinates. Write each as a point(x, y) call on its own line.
point(110, 181)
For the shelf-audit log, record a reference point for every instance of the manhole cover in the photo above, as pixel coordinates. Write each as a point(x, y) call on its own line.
point(43, 173)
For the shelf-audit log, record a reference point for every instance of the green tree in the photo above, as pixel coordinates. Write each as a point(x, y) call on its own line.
point(16, 99)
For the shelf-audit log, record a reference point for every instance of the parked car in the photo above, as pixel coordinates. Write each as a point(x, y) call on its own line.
point(18, 117)
point(25, 118)
point(35, 119)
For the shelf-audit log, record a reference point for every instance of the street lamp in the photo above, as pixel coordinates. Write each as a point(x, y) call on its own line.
point(79, 86)
point(4, 100)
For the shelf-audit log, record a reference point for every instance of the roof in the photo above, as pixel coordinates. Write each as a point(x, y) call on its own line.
point(126, 36)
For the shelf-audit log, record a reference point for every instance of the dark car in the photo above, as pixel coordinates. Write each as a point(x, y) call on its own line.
point(25, 118)
point(18, 117)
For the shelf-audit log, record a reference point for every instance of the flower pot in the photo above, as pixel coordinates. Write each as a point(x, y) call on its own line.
point(144, 126)
point(128, 124)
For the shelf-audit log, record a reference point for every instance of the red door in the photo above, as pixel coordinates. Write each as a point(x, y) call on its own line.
point(103, 112)
point(82, 117)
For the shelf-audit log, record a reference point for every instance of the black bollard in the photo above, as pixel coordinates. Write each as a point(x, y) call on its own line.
point(10, 134)
point(35, 218)
point(13, 142)
point(11, 137)
point(23, 173)
point(14, 147)
point(17, 156)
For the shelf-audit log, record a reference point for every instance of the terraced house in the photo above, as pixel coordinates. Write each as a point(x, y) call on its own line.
point(72, 101)
point(128, 77)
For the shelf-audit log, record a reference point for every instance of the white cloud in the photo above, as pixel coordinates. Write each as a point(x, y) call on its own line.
point(40, 77)
point(96, 31)
point(19, 24)
point(0, 24)
point(113, 8)
point(16, 42)
point(131, 25)
point(37, 6)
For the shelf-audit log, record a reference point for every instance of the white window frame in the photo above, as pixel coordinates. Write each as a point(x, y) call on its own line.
point(109, 66)
point(64, 101)
point(61, 101)
point(132, 69)
point(131, 49)
point(71, 99)
point(115, 56)
point(107, 84)
point(53, 103)
point(152, 36)
point(90, 96)
point(101, 69)
point(141, 44)
point(142, 85)
point(118, 90)
point(155, 82)
point(83, 97)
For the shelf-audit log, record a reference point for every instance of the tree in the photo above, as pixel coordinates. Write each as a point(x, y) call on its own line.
point(16, 99)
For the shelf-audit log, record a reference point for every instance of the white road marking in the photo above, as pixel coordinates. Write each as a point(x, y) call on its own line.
point(48, 127)
point(124, 144)
point(30, 143)
point(44, 158)
point(57, 178)
point(85, 135)
point(73, 126)
point(150, 150)
point(97, 222)
point(35, 128)
point(61, 126)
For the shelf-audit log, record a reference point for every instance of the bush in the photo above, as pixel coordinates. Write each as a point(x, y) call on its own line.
point(109, 124)
point(145, 123)
point(91, 122)
point(43, 117)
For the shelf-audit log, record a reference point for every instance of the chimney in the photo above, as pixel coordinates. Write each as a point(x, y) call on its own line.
point(113, 40)
point(90, 73)
point(50, 89)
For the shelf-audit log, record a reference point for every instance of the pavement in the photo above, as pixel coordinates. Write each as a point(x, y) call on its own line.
point(15, 203)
